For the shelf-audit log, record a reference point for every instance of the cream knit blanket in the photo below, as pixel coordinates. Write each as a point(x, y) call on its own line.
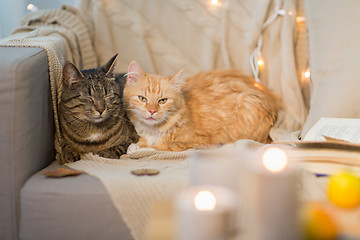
point(133, 195)
point(66, 35)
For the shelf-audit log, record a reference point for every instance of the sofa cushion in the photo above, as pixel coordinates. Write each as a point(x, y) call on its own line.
point(76, 207)
point(26, 127)
point(333, 39)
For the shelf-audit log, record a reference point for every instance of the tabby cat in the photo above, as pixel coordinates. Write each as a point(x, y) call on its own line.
point(92, 115)
point(209, 109)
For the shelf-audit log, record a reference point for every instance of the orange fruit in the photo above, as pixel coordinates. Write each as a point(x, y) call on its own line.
point(317, 223)
point(344, 189)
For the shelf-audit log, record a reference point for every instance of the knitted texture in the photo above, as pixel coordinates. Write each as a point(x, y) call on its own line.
point(65, 35)
point(134, 195)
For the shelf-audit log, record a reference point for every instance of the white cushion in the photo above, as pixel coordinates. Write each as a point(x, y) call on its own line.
point(334, 51)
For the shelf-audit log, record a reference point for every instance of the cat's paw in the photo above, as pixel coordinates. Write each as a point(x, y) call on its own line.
point(136, 148)
point(113, 152)
point(68, 157)
point(133, 148)
point(147, 149)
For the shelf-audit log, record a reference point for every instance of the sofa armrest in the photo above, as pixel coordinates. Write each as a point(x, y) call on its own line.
point(26, 127)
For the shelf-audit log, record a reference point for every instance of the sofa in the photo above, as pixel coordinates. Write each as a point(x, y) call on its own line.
point(37, 207)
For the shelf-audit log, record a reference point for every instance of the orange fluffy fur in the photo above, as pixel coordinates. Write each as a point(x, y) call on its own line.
point(208, 109)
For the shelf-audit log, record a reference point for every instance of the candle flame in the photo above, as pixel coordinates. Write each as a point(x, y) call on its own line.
point(205, 201)
point(275, 160)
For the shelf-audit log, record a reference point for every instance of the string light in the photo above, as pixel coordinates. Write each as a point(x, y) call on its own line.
point(256, 60)
point(32, 8)
point(260, 62)
point(307, 73)
point(300, 19)
point(215, 2)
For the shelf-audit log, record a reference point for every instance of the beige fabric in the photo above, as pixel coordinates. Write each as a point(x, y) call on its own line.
point(280, 72)
point(165, 36)
point(66, 35)
point(133, 195)
point(334, 37)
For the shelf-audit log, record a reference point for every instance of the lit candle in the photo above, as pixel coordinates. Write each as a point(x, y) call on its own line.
point(204, 213)
point(275, 199)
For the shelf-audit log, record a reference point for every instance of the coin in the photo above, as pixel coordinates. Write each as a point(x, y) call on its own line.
point(145, 171)
point(62, 172)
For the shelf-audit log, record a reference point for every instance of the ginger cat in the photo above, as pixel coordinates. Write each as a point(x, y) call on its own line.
point(209, 109)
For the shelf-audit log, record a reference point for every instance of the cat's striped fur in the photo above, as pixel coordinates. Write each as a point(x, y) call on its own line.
point(92, 116)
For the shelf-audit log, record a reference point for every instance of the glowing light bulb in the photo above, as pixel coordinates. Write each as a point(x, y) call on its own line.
point(205, 201)
point(300, 19)
point(31, 7)
point(215, 2)
point(275, 160)
point(307, 73)
point(260, 62)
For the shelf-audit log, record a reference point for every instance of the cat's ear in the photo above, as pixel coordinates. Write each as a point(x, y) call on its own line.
point(178, 80)
point(135, 72)
point(71, 74)
point(109, 66)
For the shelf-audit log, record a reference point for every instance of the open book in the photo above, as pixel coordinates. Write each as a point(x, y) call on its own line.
point(330, 145)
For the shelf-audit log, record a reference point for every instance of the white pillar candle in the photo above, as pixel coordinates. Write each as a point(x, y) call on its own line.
point(227, 168)
point(275, 196)
point(218, 167)
point(204, 213)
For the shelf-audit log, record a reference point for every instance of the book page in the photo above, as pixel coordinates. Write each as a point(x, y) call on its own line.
point(347, 129)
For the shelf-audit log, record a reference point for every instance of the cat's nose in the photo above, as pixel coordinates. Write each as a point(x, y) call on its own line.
point(152, 111)
point(100, 110)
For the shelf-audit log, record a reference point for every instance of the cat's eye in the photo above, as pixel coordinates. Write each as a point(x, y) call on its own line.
point(162, 101)
point(141, 98)
point(90, 99)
